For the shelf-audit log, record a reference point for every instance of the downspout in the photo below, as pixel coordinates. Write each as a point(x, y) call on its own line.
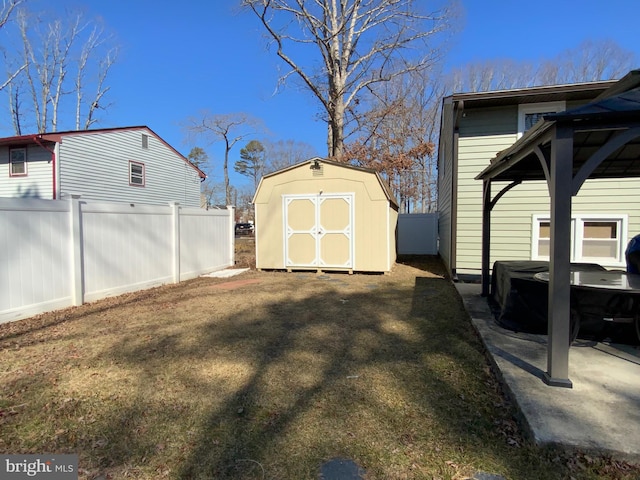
point(53, 165)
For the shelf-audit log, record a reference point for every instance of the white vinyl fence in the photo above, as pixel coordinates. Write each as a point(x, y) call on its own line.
point(418, 234)
point(57, 253)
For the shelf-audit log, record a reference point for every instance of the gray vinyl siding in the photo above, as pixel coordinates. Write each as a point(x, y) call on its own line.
point(96, 165)
point(38, 183)
point(445, 168)
point(489, 121)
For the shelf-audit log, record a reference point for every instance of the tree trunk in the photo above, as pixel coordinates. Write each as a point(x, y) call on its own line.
point(337, 129)
point(226, 172)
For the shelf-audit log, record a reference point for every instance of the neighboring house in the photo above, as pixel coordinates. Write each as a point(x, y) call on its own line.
point(475, 128)
point(128, 164)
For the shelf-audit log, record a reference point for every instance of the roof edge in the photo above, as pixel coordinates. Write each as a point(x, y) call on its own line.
point(385, 187)
point(543, 89)
point(630, 81)
point(56, 137)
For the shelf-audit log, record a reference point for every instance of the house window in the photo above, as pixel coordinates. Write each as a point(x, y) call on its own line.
point(543, 243)
point(594, 239)
point(136, 174)
point(17, 162)
point(145, 141)
point(530, 113)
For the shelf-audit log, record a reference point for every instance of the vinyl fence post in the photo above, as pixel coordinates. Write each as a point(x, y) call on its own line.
point(175, 214)
point(77, 268)
point(232, 235)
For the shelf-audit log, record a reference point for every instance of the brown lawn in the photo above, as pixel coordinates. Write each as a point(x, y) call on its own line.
point(266, 376)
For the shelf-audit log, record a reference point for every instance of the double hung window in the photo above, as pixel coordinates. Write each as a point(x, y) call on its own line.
point(136, 174)
point(17, 162)
point(594, 238)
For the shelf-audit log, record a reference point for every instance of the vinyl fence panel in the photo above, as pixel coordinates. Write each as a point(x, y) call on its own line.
point(205, 246)
point(125, 248)
point(57, 253)
point(418, 234)
point(34, 257)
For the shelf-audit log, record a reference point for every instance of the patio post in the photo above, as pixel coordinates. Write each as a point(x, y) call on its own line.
point(486, 235)
point(559, 265)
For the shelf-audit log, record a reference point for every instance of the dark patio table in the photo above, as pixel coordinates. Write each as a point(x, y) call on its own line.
point(622, 306)
point(607, 280)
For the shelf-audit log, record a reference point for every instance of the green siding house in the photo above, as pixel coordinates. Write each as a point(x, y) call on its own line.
point(475, 127)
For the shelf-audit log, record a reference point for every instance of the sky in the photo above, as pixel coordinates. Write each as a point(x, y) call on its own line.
point(179, 58)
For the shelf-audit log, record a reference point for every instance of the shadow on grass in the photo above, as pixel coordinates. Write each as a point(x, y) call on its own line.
point(393, 379)
point(295, 371)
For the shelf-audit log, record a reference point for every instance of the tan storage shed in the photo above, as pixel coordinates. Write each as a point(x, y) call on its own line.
point(323, 215)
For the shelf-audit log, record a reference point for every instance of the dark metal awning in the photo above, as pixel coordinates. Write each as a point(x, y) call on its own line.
point(597, 140)
point(594, 125)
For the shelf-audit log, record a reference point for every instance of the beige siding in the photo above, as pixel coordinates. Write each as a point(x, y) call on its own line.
point(474, 154)
point(97, 167)
point(483, 132)
point(373, 224)
point(391, 228)
point(38, 183)
point(445, 169)
point(512, 218)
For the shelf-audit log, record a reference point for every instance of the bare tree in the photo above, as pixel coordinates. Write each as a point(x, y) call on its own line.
point(15, 105)
point(426, 99)
point(46, 72)
point(284, 153)
point(51, 53)
point(397, 137)
point(229, 128)
point(244, 207)
point(213, 194)
point(8, 7)
point(94, 41)
point(359, 42)
point(492, 75)
point(591, 61)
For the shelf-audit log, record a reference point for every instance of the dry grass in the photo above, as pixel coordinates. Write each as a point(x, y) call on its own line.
point(266, 378)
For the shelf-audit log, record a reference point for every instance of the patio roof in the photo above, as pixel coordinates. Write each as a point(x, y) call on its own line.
point(594, 125)
point(597, 140)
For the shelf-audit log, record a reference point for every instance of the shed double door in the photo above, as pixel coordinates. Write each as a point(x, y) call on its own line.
point(318, 231)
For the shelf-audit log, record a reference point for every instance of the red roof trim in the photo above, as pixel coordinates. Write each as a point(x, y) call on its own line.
point(57, 137)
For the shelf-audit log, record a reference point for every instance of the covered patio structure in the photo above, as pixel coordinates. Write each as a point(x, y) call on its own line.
point(598, 140)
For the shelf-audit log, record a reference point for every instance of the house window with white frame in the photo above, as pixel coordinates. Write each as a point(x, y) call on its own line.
point(530, 113)
point(136, 174)
point(17, 162)
point(594, 238)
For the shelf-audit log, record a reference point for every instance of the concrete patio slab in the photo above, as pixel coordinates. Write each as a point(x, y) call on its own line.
point(601, 413)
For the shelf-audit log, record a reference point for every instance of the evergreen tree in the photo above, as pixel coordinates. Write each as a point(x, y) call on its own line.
point(252, 161)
